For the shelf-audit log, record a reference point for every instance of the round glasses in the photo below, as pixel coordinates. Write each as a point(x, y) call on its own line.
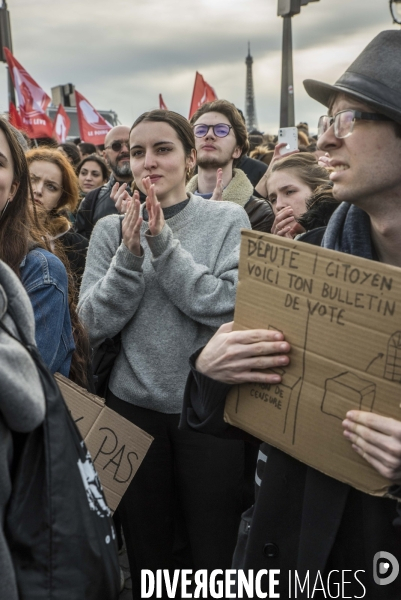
point(344, 122)
point(220, 130)
point(116, 146)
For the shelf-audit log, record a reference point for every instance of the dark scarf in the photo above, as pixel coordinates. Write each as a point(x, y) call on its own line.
point(349, 231)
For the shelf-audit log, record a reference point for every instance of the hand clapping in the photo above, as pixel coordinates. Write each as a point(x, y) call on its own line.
point(153, 206)
point(131, 226)
point(120, 197)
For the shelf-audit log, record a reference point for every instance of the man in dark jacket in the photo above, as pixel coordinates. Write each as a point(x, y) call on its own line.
point(304, 521)
point(221, 140)
point(98, 203)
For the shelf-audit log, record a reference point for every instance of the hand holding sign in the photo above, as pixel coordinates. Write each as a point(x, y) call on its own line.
point(241, 356)
point(377, 439)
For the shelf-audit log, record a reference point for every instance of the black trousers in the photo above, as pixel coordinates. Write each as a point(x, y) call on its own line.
point(189, 487)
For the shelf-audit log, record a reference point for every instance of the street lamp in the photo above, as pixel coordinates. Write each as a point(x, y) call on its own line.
point(5, 41)
point(287, 9)
point(395, 9)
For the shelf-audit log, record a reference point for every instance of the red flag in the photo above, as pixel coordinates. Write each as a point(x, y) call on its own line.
point(61, 125)
point(162, 104)
point(203, 92)
point(92, 127)
point(32, 100)
point(14, 118)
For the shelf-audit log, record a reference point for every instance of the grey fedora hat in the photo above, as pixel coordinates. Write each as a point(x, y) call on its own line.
point(374, 77)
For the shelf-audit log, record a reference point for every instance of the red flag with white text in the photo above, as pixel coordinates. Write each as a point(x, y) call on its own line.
point(32, 100)
point(203, 92)
point(61, 125)
point(14, 118)
point(162, 104)
point(92, 126)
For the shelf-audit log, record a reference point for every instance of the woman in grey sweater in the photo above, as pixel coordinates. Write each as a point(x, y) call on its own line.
point(165, 275)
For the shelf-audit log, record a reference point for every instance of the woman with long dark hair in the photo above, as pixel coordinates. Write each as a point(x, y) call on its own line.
point(60, 336)
point(165, 275)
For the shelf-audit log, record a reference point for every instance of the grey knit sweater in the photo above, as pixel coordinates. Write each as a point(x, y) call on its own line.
point(168, 302)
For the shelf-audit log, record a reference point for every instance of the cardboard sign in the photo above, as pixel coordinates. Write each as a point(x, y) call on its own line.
point(342, 316)
point(117, 447)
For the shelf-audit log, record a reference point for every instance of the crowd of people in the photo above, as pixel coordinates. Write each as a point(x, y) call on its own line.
point(139, 241)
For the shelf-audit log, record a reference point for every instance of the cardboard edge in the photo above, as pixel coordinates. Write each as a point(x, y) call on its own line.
point(76, 388)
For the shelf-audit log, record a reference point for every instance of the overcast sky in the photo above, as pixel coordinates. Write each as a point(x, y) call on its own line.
point(121, 54)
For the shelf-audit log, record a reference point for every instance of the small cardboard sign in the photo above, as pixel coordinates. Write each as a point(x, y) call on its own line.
point(342, 316)
point(117, 447)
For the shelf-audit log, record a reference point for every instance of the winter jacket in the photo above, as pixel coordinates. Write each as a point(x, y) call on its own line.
point(22, 404)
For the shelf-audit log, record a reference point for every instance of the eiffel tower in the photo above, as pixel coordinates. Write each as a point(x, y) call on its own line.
point(250, 112)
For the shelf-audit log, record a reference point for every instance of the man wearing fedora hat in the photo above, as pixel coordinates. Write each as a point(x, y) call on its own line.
point(303, 520)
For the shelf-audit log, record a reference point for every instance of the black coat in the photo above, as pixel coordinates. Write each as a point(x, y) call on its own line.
point(302, 519)
point(76, 247)
point(96, 205)
point(253, 169)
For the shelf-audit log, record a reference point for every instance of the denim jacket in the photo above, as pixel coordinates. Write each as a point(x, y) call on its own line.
point(45, 280)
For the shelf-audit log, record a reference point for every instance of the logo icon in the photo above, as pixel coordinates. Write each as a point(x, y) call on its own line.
point(385, 568)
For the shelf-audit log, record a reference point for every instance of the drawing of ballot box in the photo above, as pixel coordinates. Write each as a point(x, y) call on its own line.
point(392, 369)
point(346, 392)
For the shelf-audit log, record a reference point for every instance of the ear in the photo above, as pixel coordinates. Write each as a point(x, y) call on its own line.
point(191, 160)
point(236, 153)
point(13, 190)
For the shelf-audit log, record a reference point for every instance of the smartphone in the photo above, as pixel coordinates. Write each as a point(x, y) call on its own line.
point(289, 135)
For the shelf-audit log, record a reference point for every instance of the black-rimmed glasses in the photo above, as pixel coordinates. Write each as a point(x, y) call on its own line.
point(344, 122)
point(220, 130)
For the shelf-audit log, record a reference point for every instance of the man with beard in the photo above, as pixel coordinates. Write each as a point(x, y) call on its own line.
point(98, 203)
point(221, 140)
point(304, 521)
